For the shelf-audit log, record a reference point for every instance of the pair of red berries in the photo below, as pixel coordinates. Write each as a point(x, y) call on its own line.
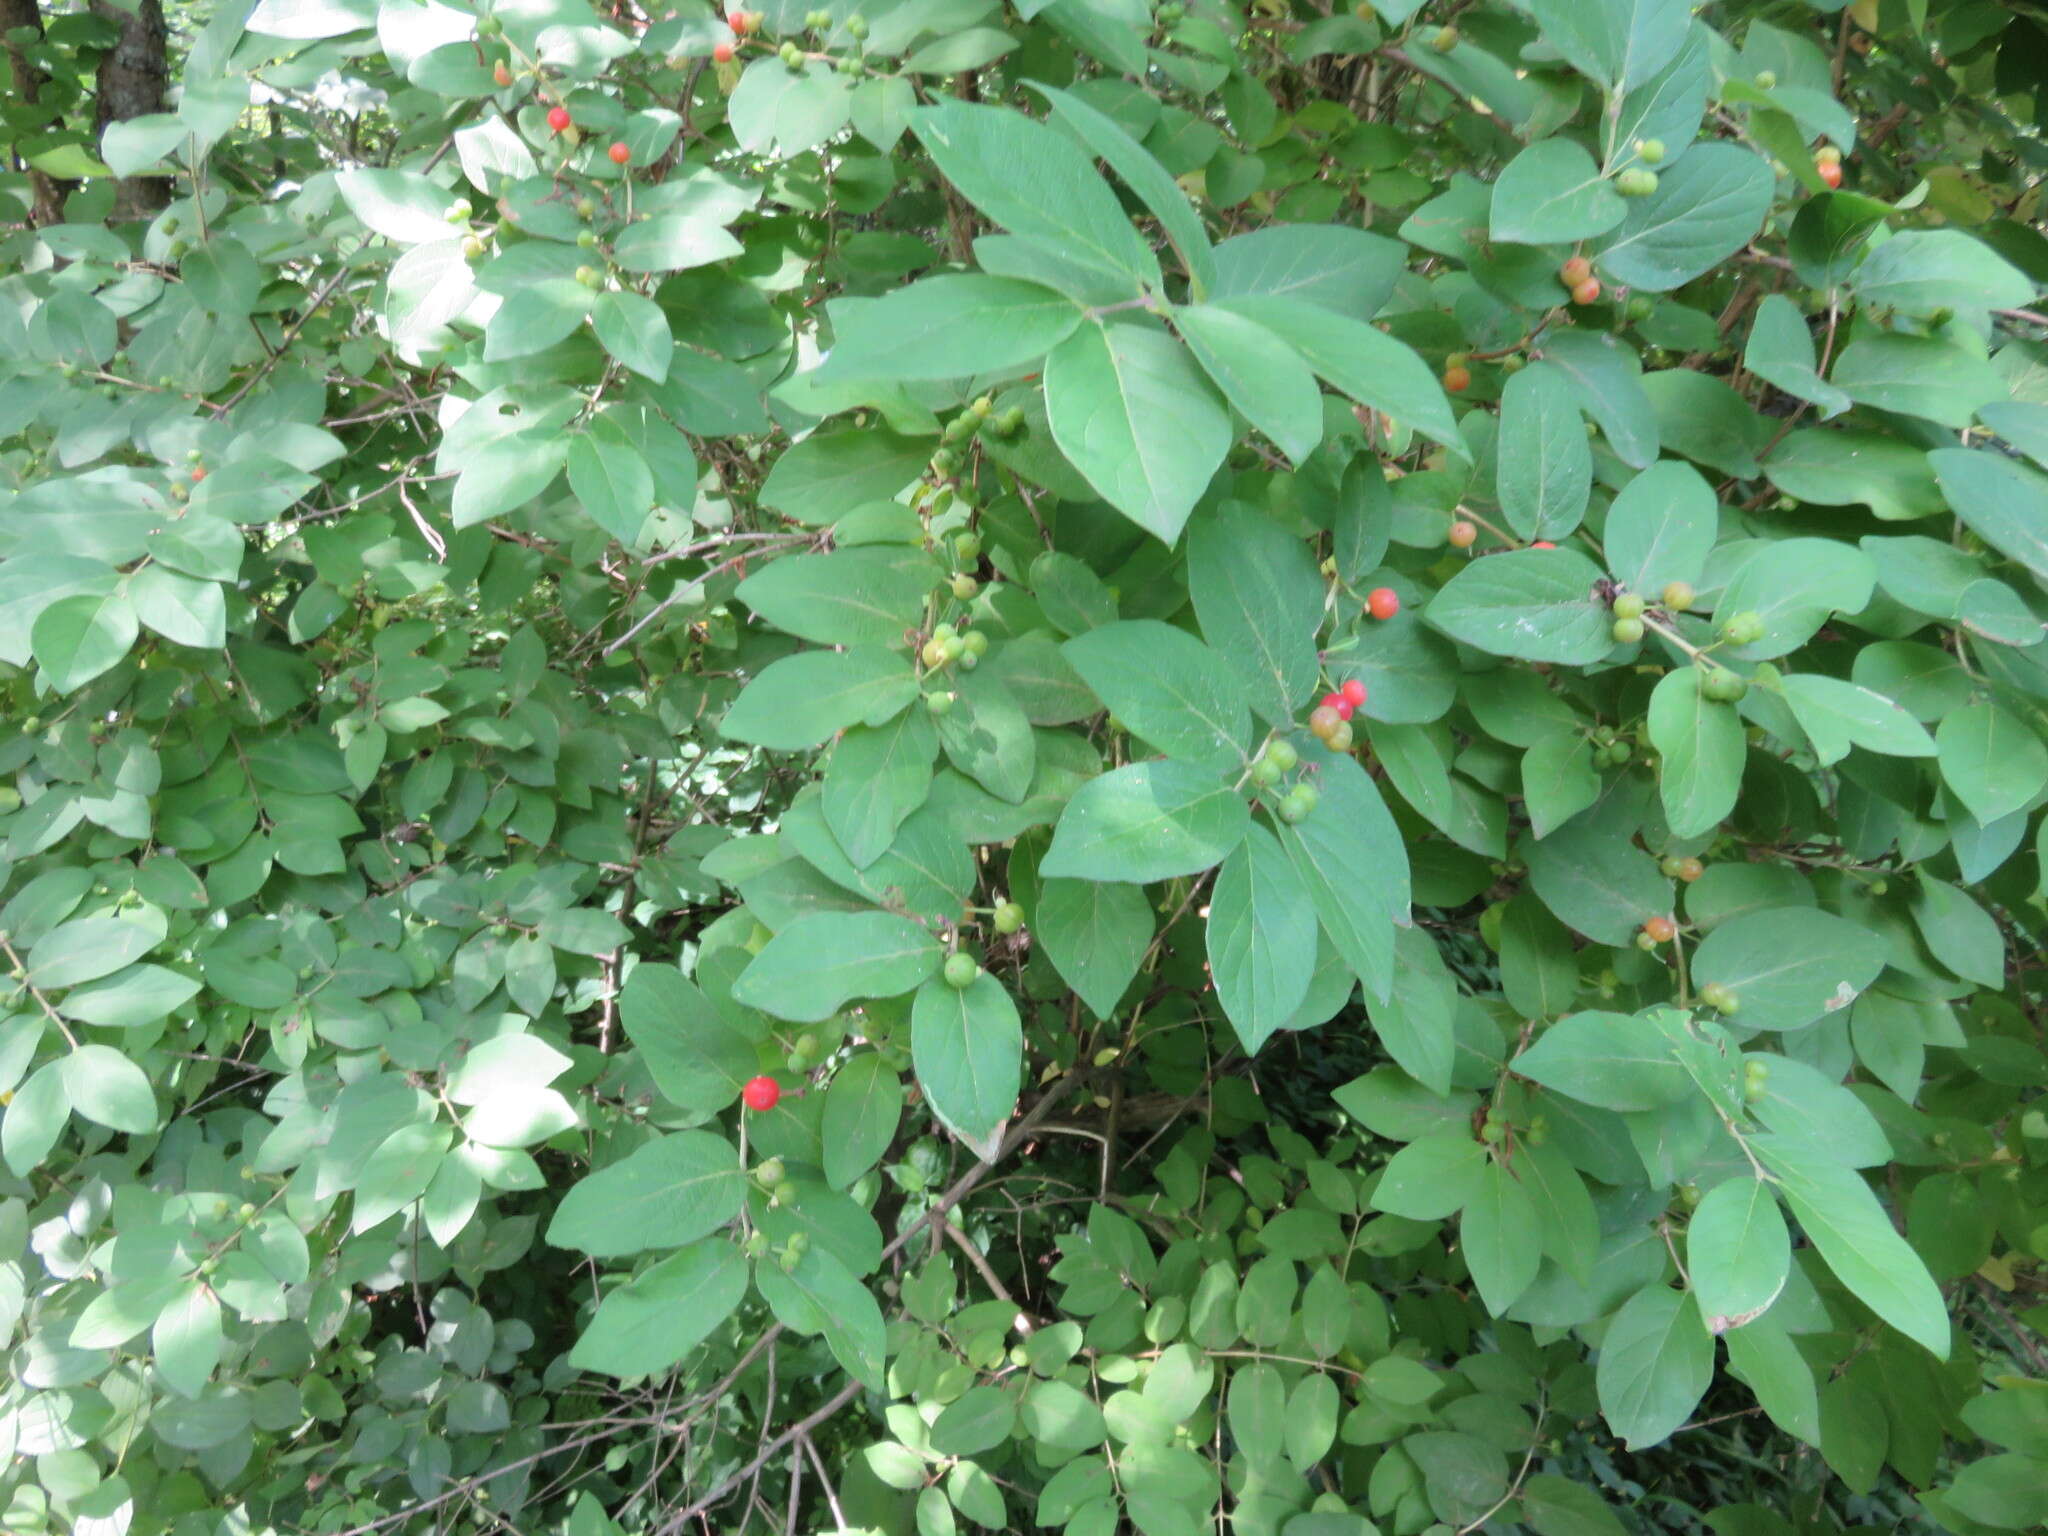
point(1347, 700)
point(1577, 275)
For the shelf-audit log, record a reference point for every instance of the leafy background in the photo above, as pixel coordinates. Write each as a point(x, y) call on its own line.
point(506, 641)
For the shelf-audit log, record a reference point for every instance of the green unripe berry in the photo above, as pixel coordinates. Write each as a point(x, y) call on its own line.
point(976, 643)
point(1266, 773)
point(792, 56)
point(1766, 79)
point(1628, 631)
point(938, 703)
point(1009, 917)
point(770, 1173)
point(1011, 422)
point(1636, 182)
point(1671, 864)
point(1719, 998)
point(1743, 628)
point(1493, 1132)
point(1639, 308)
point(587, 239)
point(981, 407)
point(1645, 942)
point(1651, 150)
point(1678, 596)
point(585, 208)
point(944, 462)
point(1298, 803)
point(856, 27)
point(967, 547)
point(953, 648)
point(1445, 39)
point(944, 632)
point(1629, 606)
point(964, 587)
point(934, 652)
point(459, 210)
point(489, 26)
point(590, 277)
point(1620, 753)
point(1281, 755)
point(245, 1212)
point(961, 970)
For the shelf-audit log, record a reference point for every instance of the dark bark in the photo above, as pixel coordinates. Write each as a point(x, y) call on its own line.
point(133, 76)
point(46, 195)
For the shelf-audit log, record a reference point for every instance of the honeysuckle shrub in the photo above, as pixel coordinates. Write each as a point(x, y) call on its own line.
point(586, 564)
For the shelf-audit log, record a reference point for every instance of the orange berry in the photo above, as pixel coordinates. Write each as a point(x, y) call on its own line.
point(502, 74)
point(1457, 380)
point(1586, 292)
point(1690, 870)
point(1462, 534)
point(1383, 602)
point(620, 154)
point(1661, 930)
point(1575, 271)
point(722, 53)
point(1543, 544)
point(198, 474)
point(1830, 172)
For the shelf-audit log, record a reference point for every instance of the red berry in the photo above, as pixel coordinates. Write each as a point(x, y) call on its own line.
point(1660, 929)
point(762, 1093)
point(1586, 292)
point(199, 474)
point(722, 52)
point(502, 74)
point(620, 154)
point(558, 118)
point(1339, 703)
point(1543, 544)
point(1354, 693)
point(1457, 380)
point(1383, 602)
point(1830, 172)
point(1462, 534)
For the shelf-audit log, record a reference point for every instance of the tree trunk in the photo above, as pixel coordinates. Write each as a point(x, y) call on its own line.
point(46, 196)
point(133, 76)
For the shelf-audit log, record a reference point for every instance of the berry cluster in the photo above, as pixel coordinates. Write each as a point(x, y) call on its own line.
point(1330, 720)
point(1457, 376)
point(1636, 181)
point(1827, 164)
point(1720, 999)
point(1274, 764)
point(1686, 869)
point(1577, 275)
point(948, 645)
point(1629, 608)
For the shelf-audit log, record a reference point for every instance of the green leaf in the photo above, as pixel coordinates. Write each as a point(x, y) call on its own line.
point(980, 150)
point(1655, 1363)
point(398, 1172)
point(40, 1110)
point(1433, 1177)
point(1999, 500)
point(1168, 688)
point(1144, 822)
point(1262, 377)
point(88, 948)
point(1417, 1022)
point(1257, 1407)
point(1661, 528)
point(866, 596)
point(1780, 352)
point(1991, 760)
point(1545, 466)
point(1843, 1219)
point(948, 327)
point(186, 1340)
point(535, 318)
point(1791, 966)
point(1557, 1506)
point(819, 1295)
point(790, 110)
point(1598, 884)
point(967, 1045)
point(1363, 362)
point(1920, 271)
point(1354, 865)
point(674, 242)
point(663, 1313)
point(399, 205)
point(1917, 376)
point(1538, 971)
point(816, 965)
point(863, 1107)
point(988, 737)
point(1501, 1233)
point(182, 609)
point(75, 639)
point(1259, 599)
point(133, 996)
point(1738, 1251)
point(1795, 586)
point(634, 329)
point(802, 701)
point(1701, 750)
point(506, 474)
point(876, 778)
point(1706, 207)
point(1763, 1357)
point(1145, 176)
point(1842, 467)
point(105, 1087)
point(1134, 414)
point(1096, 934)
point(670, 1191)
point(1535, 604)
point(1551, 194)
point(1261, 938)
point(1609, 383)
point(697, 1058)
point(1336, 267)
point(1558, 781)
point(1616, 43)
point(614, 484)
point(1960, 933)
point(979, 1421)
point(1609, 1060)
point(1837, 716)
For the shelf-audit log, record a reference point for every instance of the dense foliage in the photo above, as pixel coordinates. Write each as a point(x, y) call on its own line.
point(931, 767)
